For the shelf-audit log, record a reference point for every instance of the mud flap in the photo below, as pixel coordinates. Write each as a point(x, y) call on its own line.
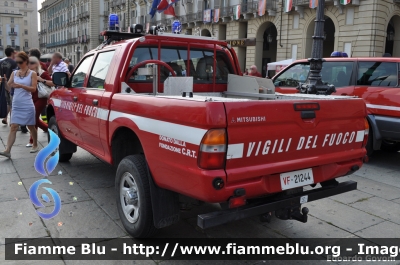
point(165, 204)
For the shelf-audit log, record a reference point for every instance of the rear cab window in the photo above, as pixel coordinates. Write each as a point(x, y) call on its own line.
point(197, 62)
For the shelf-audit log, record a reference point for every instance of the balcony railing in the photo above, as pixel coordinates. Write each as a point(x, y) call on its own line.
point(85, 14)
point(42, 45)
point(55, 44)
point(26, 49)
point(305, 2)
point(71, 41)
point(12, 33)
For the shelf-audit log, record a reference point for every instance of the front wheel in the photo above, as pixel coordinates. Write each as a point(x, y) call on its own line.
point(133, 197)
point(390, 146)
point(54, 127)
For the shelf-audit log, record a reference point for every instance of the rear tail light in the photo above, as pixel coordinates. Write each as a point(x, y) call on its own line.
point(213, 149)
point(366, 132)
point(235, 202)
point(306, 106)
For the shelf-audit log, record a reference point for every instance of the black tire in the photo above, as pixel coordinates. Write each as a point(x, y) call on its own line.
point(370, 143)
point(54, 127)
point(389, 146)
point(139, 222)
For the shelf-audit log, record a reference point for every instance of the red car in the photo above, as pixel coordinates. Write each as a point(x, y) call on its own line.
point(376, 80)
point(252, 156)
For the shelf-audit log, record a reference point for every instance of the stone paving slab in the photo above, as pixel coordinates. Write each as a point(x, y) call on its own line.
point(11, 188)
point(106, 199)
point(385, 229)
point(390, 212)
point(18, 219)
point(62, 184)
point(341, 215)
point(87, 220)
point(6, 166)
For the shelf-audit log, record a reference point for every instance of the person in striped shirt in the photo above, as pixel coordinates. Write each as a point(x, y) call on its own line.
point(58, 65)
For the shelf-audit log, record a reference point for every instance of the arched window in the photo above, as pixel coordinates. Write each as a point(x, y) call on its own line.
point(12, 4)
point(25, 5)
point(6, 3)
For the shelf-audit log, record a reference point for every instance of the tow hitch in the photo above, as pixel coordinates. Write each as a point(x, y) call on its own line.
point(285, 208)
point(293, 213)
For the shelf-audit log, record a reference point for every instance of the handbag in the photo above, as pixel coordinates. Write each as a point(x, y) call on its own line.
point(3, 100)
point(44, 91)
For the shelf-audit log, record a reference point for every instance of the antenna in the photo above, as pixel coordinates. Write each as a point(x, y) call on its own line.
point(355, 44)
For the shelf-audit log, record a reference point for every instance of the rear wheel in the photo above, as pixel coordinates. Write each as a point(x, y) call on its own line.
point(54, 127)
point(390, 146)
point(133, 197)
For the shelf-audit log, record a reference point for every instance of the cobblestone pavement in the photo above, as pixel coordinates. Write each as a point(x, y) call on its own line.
point(86, 188)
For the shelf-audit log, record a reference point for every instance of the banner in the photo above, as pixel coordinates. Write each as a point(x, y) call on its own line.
point(313, 3)
point(345, 2)
point(216, 15)
point(236, 12)
point(207, 16)
point(262, 4)
point(288, 5)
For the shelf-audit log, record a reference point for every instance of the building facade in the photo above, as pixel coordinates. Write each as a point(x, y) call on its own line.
point(18, 25)
point(361, 28)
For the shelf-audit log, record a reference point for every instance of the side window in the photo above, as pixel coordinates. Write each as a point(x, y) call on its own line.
point(337, 73)
point(293, 75)
point(377, 74)
point(80, 73)
point(100, 70)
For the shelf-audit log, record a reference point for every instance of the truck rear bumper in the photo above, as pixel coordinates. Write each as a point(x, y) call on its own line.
point(259, 208)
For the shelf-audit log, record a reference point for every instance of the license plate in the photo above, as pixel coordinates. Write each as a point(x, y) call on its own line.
point(297, 178)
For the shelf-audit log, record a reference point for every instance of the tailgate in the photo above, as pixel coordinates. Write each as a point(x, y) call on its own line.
point(271, 137)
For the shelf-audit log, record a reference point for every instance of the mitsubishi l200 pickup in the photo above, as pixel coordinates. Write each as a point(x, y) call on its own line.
point(174, 115)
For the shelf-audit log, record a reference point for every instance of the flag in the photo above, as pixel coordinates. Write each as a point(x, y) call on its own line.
point(236, 12)
point(345, 2)
point(153, 9)
point(170, 11)
point(216, 15)
point(313, 3)
point(261, 7)
point(288, 5)
point(162, 6)
point(207, 16)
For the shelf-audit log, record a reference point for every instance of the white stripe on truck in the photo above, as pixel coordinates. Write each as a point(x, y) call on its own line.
point(184, 133)
point(372, 106)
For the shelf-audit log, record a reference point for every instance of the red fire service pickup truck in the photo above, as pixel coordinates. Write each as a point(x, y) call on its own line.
point(174, 115)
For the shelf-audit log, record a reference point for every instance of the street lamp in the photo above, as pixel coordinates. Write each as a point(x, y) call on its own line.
point(314, 84)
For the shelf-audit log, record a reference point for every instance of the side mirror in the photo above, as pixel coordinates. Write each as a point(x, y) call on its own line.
point(60, 78)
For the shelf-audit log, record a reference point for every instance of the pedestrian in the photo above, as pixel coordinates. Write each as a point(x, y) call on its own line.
point(246, 72)
point(57, 65)
point(35, 52)
point(69, 64)
point(254, 72)
point(39, 103)
point(24, 82)
point(7, 66)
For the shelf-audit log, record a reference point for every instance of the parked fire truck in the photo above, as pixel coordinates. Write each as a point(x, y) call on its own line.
point(174, 115)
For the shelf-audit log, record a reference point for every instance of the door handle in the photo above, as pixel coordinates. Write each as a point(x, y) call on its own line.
point(95, 102)
point(75, 99)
